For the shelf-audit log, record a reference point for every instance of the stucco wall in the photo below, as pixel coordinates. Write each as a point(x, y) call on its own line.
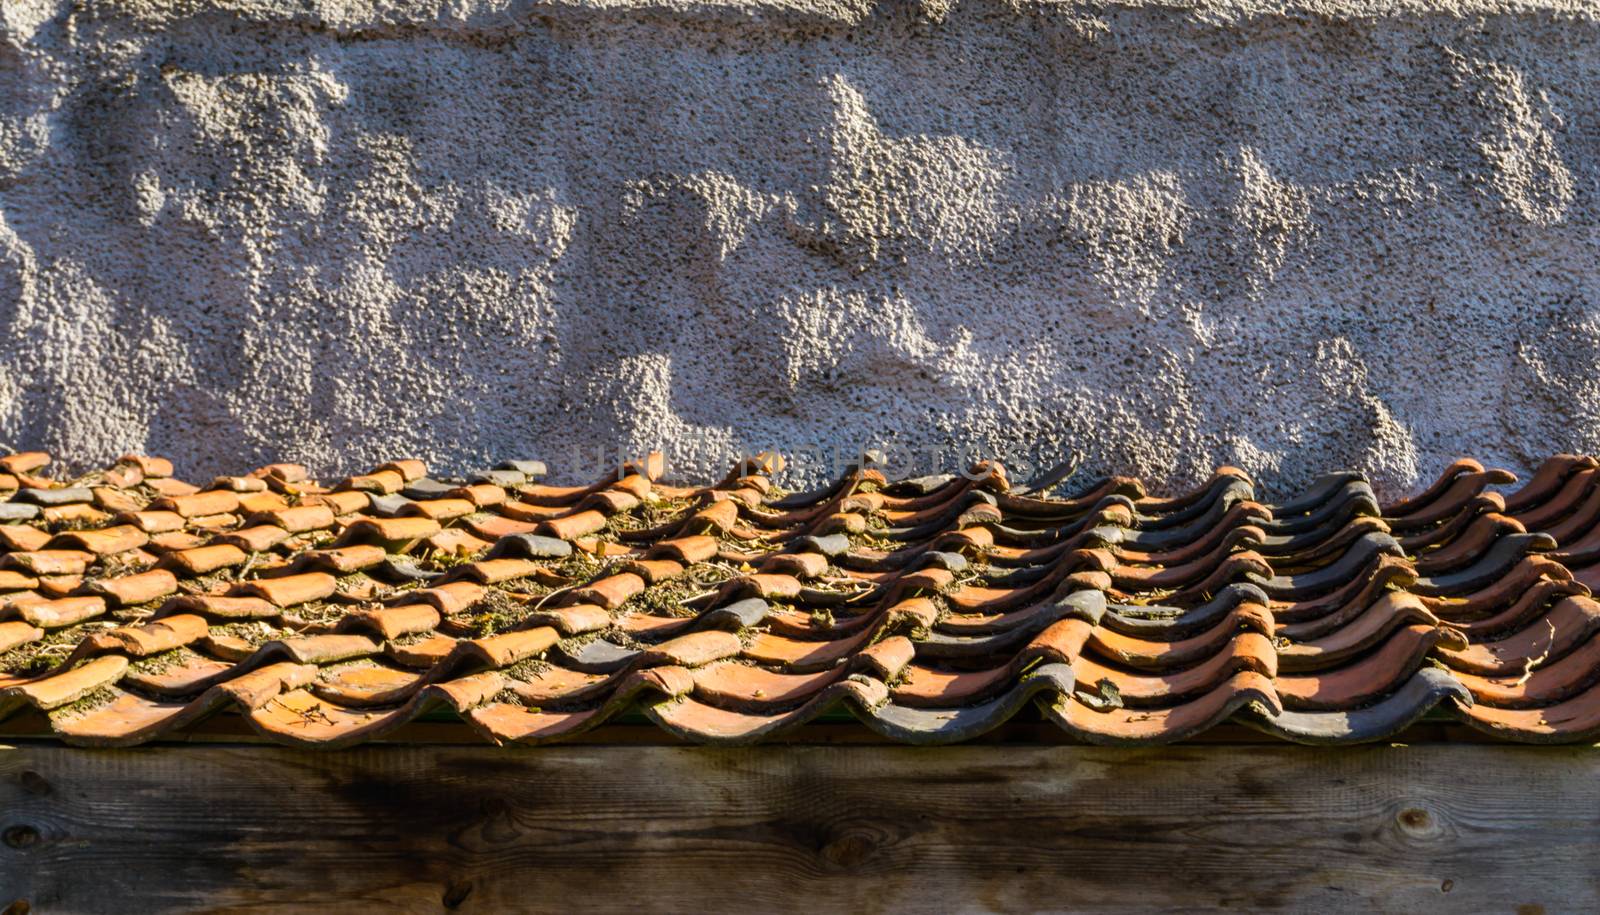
point(1156, 235)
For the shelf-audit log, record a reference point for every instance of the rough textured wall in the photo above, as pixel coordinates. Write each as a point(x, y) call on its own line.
point(1156, 235)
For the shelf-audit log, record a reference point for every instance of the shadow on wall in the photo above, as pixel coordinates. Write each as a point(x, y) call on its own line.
point(1159, 241)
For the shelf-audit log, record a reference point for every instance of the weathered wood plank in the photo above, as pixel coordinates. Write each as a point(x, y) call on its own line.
point(797, 828)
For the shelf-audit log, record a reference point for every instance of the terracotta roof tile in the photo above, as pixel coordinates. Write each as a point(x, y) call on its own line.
point(134, 589)
point(930, 610)
point(288, 590)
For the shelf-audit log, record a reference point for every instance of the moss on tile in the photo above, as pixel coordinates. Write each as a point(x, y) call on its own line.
point(44, 654)
point(83, 705)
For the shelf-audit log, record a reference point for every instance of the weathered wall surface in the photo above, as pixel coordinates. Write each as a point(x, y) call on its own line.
point(1156, 235)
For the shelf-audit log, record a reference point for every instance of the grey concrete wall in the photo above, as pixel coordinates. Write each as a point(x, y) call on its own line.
point(1156, 235)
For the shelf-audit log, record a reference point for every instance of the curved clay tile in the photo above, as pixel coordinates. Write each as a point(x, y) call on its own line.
point(1384, 573)
point(1320, 491)
point(1223, 479)
point(1160, 655)
point(1582, 552)
point(929, 611)
point(1499, 593)
point(1493, 566)
point(1451, 502)
point(1148, 575)
point(1572, 720)
point(1311, 547)
point(1233, 532)
point(1114, 513)
point(1352, 500)
point(1547, 480)
point(1161, 623)
point(1239, 567)
point(1443, 482)
point(1223, 491)
point(1246, 651)
point(1120, 726)
point(1361, 554)
point(694, 720)
point(1566, 500)
point(1370, 678)
point(1548, 683)
point(1568, 624)
point(1517, 614)
point(1381, 720)
point(930, 726)
point(1584, 520)
point(1484, 531)
point(1037, 508)
point(1332, 648)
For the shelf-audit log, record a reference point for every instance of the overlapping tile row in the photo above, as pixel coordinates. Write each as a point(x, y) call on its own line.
point(1514, 577)
point(932, 610)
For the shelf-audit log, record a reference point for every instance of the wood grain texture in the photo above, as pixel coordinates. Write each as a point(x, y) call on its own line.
point(797, 828)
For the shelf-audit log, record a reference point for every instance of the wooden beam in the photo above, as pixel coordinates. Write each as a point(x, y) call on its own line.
point(799, 828)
